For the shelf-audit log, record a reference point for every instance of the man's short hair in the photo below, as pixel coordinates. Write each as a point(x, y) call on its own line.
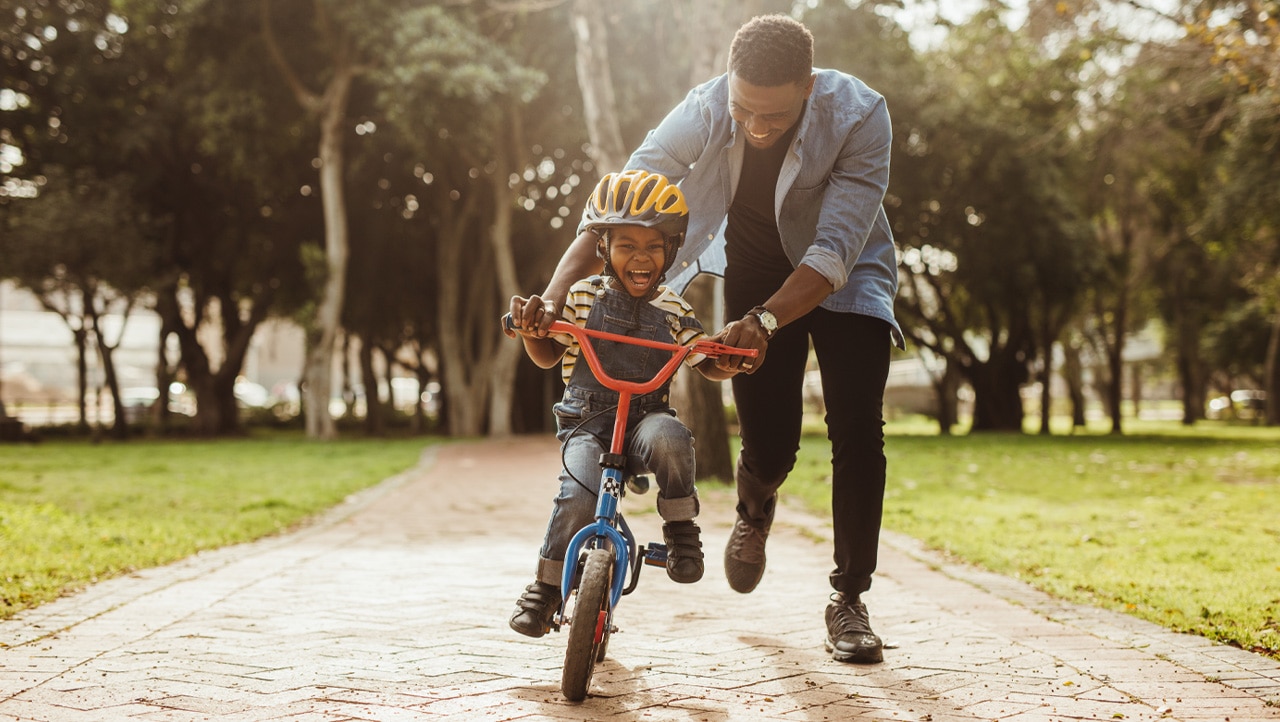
point(772, 50)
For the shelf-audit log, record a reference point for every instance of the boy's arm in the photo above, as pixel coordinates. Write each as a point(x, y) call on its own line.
point(545, 351)
point(531, 319)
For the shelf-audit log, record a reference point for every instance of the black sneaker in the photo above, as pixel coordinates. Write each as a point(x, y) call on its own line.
point(684, 551)
point(849, 635)
point(535, 608)
point(744, 554)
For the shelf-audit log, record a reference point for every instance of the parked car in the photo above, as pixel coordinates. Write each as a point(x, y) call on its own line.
point(1245, 404)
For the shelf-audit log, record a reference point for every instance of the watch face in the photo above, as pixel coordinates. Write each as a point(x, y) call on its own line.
point(768, 320)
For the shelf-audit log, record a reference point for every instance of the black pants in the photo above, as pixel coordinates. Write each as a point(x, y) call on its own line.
point(853, 357)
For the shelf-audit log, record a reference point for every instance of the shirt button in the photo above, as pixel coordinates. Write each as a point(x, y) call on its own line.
point(664, 398)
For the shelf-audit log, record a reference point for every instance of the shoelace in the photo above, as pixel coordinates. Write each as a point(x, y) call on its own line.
point(741, 546)
point(851, 617)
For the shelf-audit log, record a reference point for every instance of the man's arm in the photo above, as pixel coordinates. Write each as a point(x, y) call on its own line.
point(578, 262)
point(803, 290)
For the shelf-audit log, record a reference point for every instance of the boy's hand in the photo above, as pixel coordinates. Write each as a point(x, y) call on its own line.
point(532, 316)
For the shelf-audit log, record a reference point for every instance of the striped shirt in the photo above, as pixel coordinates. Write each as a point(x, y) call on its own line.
point(582, 297)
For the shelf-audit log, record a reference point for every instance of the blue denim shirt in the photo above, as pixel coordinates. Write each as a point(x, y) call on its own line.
point(830, 191)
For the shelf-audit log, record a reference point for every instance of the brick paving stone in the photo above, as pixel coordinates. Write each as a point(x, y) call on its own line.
point(393, 606)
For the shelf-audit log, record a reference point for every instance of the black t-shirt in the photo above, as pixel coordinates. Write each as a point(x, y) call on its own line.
point(753, 246)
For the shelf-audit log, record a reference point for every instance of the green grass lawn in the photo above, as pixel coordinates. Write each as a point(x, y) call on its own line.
point(72, 513)
point(1177, 526)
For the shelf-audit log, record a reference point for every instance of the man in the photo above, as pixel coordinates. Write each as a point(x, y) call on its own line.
point(785, 169)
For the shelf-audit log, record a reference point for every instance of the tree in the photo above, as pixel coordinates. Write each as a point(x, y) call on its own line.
point(75, 246)
point(1245, 40)
point(329, 107)
point(990, 238)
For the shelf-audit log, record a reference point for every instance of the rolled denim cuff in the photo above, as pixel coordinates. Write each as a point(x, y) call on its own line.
point(829, 264)
point(550, 571)
point(683, 509)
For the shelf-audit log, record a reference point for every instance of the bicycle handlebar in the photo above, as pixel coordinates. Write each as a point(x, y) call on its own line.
point(711, 349)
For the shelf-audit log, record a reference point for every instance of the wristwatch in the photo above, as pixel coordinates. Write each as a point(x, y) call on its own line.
point(767, 320)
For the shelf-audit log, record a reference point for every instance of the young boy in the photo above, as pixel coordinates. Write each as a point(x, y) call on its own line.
point(640, 220)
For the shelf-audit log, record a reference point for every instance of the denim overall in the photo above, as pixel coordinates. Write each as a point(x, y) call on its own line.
point(657, 442)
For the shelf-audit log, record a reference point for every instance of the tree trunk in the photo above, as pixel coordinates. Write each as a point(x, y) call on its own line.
point(1272, 385)
point(699, 401)
point(82, 375)
point(1046, 380)
point(336, 245)
point(373, 416)
point(595, 81)
point(217, 412)
point(120, 425)
point(1135, 388)
point(464, 360)
point(164, 379)
point(331, 109)
point(348, 392)
point(997, 403)
point(947, 390)
point(1115, 381)
point(1073, 374)
point(502, 381)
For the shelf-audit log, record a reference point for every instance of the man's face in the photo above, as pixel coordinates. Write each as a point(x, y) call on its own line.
point(766, 112)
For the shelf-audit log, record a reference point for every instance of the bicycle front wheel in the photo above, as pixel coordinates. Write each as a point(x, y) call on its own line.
point(589, 626)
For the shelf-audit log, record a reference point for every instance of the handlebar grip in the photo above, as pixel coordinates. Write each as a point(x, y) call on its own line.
point(711, 348)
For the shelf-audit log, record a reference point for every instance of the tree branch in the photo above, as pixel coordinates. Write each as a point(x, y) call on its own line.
point(307, 99)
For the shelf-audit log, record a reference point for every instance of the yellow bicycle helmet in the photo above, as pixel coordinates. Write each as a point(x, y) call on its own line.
point(640, 198)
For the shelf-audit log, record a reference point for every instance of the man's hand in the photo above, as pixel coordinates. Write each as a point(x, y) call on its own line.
point(745, 333)
point(532, 316)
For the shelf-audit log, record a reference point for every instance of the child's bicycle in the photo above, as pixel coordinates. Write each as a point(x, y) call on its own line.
point(606, 549)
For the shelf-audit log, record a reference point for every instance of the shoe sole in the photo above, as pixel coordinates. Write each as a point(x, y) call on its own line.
point(742, 581)
point(869, 656)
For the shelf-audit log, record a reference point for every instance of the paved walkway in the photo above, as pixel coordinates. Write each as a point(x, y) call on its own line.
point(394, 607)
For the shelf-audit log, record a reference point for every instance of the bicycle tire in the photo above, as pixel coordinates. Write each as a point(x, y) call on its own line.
point(588, 629)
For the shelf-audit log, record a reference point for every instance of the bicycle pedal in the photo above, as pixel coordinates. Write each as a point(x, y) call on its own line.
point(655, 554)
point(638, 484)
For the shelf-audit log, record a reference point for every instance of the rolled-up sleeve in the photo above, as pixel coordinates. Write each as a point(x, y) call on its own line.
point(853, 197)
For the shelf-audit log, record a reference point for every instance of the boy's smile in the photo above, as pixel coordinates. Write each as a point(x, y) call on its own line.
point(637, 256)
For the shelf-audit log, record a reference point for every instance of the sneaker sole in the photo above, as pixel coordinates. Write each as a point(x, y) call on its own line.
point(743, 580)
point(866, 656)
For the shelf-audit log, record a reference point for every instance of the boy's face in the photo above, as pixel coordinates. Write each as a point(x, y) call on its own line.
point(637, 255)
point(766, 112)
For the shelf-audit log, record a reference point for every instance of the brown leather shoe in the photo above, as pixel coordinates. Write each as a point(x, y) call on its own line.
point(684, 551)
point(535, 609)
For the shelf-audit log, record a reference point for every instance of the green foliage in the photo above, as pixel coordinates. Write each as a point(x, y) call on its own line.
point(1174, 526)
point(81, 232)
point(72, 513)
